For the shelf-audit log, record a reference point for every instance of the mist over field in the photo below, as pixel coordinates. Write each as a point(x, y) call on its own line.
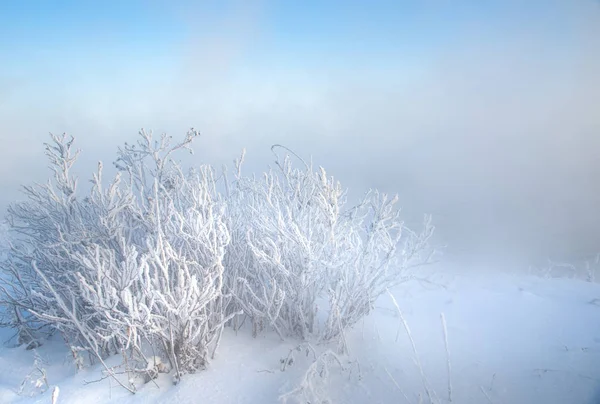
point(485, 116)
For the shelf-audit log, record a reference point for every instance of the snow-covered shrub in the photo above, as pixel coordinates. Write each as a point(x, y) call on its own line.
point(131, 268)
point(46, 231)
point(36, 381)
point(156, 261)
point(299, 254)
point(314, 383)
point(592, 269)
point(175, 298)
point(588, 270)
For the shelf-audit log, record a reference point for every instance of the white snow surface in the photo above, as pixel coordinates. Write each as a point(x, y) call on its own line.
point(512, 339)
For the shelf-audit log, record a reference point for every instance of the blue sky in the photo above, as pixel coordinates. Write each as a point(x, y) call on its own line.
point(322, 32)
point(64, 38)
point(472, 110)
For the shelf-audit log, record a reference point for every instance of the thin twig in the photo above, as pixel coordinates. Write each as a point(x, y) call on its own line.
point(449, 368)
point(485, 394)
point(414, 349)
point(396, 384)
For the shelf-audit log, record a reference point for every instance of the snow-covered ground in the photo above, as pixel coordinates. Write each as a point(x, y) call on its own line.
point(512, 339)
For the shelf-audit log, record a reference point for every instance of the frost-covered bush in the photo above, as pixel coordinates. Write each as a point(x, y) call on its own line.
point(153, 263)
point(131, 268)
point(588, 270)
point(36, 381)
point(304, 262)
point(46, 231)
